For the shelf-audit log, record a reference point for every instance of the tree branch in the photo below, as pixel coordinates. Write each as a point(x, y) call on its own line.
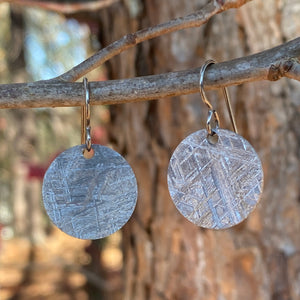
point(272, 64)
point(130, 40)
point(282, 61)
point(64, 8)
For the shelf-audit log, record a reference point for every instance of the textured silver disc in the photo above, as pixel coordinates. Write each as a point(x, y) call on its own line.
point(89, 198)
point(215, 186)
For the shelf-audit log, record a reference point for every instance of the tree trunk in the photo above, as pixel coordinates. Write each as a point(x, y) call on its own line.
point(167, 257)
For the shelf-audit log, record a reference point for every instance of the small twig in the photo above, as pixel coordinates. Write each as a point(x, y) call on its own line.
point(272, 64)
point(64, 8)
point(130, 40)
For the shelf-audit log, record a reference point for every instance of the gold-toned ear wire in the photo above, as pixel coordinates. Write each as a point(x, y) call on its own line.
point(211, 112)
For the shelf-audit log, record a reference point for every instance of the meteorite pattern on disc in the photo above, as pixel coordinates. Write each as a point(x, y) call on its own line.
point(215, 186)
point(89, 198)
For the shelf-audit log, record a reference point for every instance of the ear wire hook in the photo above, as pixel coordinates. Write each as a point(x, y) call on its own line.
point(212, 112)
point(86, 117)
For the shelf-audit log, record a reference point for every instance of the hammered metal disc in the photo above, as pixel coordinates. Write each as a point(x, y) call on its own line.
point(215, 186)
point(89, 198)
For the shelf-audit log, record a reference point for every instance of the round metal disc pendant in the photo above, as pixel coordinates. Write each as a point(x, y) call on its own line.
point(215, 186)
point(89, 198)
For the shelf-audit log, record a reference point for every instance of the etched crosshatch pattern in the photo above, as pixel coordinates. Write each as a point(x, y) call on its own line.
point(89, 198)
point(215, 186)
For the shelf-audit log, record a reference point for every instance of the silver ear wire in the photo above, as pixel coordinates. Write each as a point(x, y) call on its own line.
point(86, 118)
point(212, 113)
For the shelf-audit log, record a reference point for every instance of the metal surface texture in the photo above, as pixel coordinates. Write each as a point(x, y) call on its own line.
point(89, 198)
point(215, 186)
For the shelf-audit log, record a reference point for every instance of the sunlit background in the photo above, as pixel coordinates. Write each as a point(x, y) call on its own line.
point(37, 260)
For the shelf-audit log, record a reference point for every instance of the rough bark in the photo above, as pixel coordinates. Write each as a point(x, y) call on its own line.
point(166, 257)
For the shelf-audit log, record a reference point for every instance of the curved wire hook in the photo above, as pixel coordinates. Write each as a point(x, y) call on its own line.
point(201, 83)
point(209, 105)
point(85, 118)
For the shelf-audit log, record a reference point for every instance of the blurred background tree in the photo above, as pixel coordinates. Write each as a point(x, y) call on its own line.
point(166, 257)
point(37, 45)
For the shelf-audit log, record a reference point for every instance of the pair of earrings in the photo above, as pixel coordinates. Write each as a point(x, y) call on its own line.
point(215, 180)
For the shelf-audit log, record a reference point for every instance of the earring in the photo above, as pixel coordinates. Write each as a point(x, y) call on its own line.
point(89, 191)
point(215, 177)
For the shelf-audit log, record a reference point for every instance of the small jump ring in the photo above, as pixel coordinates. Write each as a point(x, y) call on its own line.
point(212, 114)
